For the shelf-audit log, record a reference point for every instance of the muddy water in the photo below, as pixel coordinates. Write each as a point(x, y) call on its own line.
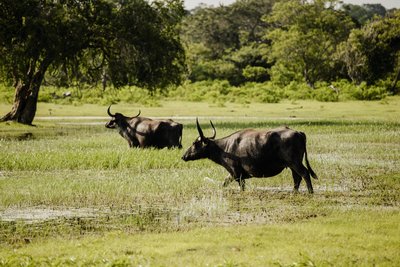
point(31, 215)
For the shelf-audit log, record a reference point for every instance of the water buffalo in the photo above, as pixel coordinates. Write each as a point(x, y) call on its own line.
point(144, 132)
point(255, 153)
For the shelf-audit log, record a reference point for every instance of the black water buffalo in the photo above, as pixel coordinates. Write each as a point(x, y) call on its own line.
point(255, 153)
point(144, 132)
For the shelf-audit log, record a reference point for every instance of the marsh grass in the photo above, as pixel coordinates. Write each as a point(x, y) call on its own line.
point(89, 185)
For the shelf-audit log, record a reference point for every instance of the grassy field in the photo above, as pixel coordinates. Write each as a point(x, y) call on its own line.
point(73, 193)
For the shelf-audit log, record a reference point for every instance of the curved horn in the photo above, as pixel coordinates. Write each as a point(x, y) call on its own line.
point(137, 114)
point(109, 113)
point(214, 131)
point(199, 129)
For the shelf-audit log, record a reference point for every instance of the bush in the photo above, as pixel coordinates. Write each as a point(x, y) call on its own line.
point(263, 92)
point(95, 95)
point(221, 91)
point(255, 73)
point(216, 91)
point(297, 91)
point(350, 91)
point(326, 93)
point(363, 92)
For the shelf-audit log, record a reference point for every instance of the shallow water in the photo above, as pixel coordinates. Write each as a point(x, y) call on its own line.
point(37, 214)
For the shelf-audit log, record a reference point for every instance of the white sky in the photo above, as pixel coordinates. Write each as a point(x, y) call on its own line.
point(190, 4)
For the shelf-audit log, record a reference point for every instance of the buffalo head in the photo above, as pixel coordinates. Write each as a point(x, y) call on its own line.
point(201, 146)
point(116, 118)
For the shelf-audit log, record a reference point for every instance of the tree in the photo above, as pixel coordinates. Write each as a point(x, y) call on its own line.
point(304, 40)
point(364, 13)
point(373, 52)
point(135, 41)
point(227, 42)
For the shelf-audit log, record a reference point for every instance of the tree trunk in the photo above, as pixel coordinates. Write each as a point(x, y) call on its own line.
point(25, 100)
point(394, 83)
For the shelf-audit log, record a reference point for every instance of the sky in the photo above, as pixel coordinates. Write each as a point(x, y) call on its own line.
point(190, 4)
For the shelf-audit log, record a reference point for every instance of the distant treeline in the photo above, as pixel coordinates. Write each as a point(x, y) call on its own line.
point(293, 41)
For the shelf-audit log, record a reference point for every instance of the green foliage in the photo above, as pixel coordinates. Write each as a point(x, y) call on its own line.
point(133, 42)
point(324, 93)
point(221, 92)
point(363, 92)
point(255, 73)
point(364, 13)
point(372, 52)
point(286, 41)
point(336, 91)
point(305, 39)
point(218, 92)
point(222, 42)
point(96, 95)
point(295, 91)
point(146, 49)
point(214, 70)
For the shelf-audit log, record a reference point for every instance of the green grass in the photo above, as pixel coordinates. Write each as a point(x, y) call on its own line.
point(73, 193)
point(320, 241)
point(386, 110)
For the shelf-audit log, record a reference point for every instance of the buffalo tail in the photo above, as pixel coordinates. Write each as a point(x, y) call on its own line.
point(312, 173)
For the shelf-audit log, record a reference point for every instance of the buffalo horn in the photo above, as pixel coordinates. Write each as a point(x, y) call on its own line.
point(199, 130)
point(214, 131)
point(109, 113)
point(137, 114)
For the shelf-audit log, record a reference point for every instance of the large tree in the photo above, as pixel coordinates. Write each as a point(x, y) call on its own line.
point(226, 42)
point(134, 40)
point(373, 52)
point(305, 38)
point(362, 14)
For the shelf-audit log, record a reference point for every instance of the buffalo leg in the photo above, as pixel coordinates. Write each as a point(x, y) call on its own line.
point(303, 172)
point(296, 180)
point(228, 180)
point(242, 183)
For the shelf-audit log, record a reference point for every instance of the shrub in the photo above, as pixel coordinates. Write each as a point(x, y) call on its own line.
point(296, 91)
point(360, 92)
point(255, 73)
point(216, 91)
point(263, 92)
point(326, 93)
point(373, 92)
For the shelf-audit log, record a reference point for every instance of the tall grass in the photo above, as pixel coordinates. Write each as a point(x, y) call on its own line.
point(94, 166)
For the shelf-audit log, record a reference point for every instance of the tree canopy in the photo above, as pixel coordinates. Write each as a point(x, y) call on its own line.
point(295, 40)
point(227, 42)
point(373, 51)
point(304, 39)
point(132, 42)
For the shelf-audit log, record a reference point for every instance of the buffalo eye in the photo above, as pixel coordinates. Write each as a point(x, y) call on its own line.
point(198, 144)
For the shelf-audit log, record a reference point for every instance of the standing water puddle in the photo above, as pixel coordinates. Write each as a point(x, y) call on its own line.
point(33, 215)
